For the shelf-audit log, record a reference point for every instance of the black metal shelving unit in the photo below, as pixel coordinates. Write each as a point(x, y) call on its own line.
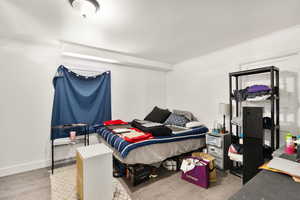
point(234, 79)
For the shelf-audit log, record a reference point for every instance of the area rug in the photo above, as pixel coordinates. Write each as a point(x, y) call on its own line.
point(63, 185)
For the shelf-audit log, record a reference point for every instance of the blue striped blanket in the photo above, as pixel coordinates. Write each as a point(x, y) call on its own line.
point(125, 147)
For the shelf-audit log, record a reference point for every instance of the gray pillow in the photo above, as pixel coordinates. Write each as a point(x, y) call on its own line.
point(177, 120)
point(187, 114)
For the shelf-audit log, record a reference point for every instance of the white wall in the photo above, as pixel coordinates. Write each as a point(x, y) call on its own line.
point(201, 83)
point(26, 70)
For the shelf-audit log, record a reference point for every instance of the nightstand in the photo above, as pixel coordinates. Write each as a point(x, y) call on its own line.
point(217, 146)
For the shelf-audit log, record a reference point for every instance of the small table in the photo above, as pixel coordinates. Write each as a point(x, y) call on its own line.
point(66, 129)
point(94, 172)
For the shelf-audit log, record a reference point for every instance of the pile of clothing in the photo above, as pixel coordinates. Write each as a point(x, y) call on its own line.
point(126, 131)
point(158, 123)
point(237, 121)
point(267, 122)
point(135, 135)
point(253, 93)
point(155, 128)
point(235, 152)
point(189, 164)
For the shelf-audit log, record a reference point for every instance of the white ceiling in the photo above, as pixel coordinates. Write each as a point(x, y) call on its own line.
point(164, 30)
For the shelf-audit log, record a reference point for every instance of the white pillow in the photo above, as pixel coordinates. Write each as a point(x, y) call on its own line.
point(193, 124)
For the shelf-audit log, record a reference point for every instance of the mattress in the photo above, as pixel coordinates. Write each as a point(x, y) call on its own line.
point(153, 150)
point(159, 152)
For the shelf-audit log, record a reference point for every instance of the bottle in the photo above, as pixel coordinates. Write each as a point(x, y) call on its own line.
point(298, 149)
point(289, 146)
point(215, 129)
point(298, 140)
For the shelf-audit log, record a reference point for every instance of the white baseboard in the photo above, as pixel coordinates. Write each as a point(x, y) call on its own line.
point(15, 169)
point(61, 153)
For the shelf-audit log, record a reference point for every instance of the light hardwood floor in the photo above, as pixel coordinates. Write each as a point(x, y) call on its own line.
point(33, 185)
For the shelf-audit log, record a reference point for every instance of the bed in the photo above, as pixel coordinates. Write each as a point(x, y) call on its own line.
point(153, 150)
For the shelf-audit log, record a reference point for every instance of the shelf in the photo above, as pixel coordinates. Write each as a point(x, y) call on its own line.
point(67, 141)
point(235, 124)
point(254, 71)
point(275, 126)
point(255, 151)
point(275, 98)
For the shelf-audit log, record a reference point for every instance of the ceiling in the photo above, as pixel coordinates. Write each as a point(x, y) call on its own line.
point(164, 30)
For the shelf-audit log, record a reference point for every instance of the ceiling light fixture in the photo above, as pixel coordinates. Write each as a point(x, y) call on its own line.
point(86, 7)
point(88, 57)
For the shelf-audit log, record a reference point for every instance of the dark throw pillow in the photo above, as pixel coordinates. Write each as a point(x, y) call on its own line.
point(158, 115)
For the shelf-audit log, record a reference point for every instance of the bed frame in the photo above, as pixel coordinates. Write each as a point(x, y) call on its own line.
point(144, 176)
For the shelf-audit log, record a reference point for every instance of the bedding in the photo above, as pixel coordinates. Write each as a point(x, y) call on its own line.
point(156, 153)
point(156, 131)
point(193, 124)
point(177, 120)
point(135, 135)
point(187, 114)
point(177, 129)
point(124, 147)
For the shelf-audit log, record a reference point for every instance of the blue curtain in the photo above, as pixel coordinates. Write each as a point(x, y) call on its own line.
point(80, 99)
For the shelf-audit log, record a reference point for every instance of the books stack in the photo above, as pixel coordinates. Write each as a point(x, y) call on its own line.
point(284, 163)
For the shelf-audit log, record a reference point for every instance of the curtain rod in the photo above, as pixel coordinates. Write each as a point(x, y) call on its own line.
point(86, 69)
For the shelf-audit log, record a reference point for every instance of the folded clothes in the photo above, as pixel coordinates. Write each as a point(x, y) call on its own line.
point(235, 157)
point(236, 148)
point(114, 122)
point(256, 94)
point(258, 88)
point(117, 126)
point(121, 130)
point(154, 130)
point(194, 124)
point(259, 98)
point(235, 152)
point(240, 95)
point(152, 124)
point(237, 121)
point(251, 92)
point(135, 135)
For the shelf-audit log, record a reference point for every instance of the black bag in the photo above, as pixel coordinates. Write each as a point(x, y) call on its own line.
point(155, 130)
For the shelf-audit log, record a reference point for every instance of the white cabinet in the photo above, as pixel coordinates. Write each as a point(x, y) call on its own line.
point(94, 172)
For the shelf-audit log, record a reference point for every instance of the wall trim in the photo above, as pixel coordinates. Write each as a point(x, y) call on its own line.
point(24, 167)
point(85, 52)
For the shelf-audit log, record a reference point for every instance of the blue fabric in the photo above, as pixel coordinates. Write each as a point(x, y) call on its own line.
point(78, 99)
point(125, 147)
